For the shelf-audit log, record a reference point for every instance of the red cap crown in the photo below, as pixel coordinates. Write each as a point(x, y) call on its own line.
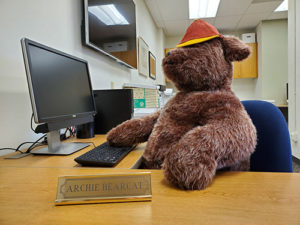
point(199, 31)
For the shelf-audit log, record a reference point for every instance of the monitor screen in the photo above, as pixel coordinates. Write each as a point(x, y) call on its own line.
point(59, 84)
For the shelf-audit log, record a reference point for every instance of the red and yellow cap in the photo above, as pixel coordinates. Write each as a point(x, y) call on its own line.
point(199, 31)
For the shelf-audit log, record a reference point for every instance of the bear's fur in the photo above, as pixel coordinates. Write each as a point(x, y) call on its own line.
point(204, 127)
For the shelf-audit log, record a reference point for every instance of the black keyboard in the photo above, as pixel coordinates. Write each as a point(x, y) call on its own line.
point(103, 155)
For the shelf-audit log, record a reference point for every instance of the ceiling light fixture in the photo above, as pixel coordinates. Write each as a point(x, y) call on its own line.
point(108, 14)
point(203, 8)
point(283, 6)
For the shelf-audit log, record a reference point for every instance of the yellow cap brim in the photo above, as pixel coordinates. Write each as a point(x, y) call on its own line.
point(196, 41)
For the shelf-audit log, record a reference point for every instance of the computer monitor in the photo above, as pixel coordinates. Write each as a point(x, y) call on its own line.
point(60, 92)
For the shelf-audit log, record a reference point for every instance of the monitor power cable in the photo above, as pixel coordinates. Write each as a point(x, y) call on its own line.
point(24, 143)
point(35, 144)
point(31, 123)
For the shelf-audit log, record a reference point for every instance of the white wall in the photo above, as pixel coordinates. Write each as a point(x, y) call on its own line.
point(294, 74)
point(258, 87)
point(244, 88)
point(172, 41)
point(273, 60)
point(56, 23)
point(154, 37)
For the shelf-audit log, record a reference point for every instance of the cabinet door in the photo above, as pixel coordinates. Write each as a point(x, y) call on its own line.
point(248, 68)
point(168, 49)
point(236, 67)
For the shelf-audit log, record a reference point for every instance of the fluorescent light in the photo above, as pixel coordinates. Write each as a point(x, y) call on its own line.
point(203, 8)
point(108, 14)
point(283, 6)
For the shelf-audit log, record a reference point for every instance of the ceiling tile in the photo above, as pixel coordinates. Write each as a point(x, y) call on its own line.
point(174, 9)
point(233, 7)
point(263, 7)
point(172, 15)
point(260, 1)
point(251, 20)
point(227, 22)
point(174, 28)
point(209, 20)
point(278, 15)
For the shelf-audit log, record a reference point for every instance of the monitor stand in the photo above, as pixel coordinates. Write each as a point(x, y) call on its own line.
point(56, 147)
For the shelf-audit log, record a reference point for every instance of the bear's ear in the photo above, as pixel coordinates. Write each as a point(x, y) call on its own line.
point(234, 49)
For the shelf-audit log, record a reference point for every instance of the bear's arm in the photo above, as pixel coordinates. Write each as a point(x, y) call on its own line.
point(226, 140)
point(132, 131)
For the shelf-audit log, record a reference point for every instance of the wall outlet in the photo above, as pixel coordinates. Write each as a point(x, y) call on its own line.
point(112, 85)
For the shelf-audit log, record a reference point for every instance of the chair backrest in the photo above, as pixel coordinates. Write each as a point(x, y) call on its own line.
point(273, 151)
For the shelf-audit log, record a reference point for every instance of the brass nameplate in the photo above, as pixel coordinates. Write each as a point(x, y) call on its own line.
point(104, 188)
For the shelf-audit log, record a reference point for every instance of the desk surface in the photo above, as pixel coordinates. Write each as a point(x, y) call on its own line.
point(28, 192)
point(27, 196)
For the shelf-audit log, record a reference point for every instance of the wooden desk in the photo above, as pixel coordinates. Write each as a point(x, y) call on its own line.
point(27, 196)
point(28, 191)
point(68, 161)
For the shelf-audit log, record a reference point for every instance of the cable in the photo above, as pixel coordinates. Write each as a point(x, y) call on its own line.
point(31, 123)
point(16, 150)
point(73, 130)
point(28, 142)
point(33, 145)
point(88, 142)
point(65, 134)
point(37, 143)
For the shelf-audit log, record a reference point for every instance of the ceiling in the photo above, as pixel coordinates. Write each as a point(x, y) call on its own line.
point(233, 15)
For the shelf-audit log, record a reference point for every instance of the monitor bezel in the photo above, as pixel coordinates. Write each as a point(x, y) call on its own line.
point(25, 42)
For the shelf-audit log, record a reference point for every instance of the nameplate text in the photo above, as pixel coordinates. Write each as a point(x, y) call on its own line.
point(104, 188)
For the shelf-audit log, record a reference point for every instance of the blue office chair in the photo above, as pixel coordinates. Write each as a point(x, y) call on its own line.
point(273, 150)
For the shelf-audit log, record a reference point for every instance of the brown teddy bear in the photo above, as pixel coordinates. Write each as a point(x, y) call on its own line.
point(204, 127)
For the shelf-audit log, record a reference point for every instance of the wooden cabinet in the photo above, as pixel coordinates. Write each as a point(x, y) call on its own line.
point(168, 49)
point(128, 57)
point(248, 67)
